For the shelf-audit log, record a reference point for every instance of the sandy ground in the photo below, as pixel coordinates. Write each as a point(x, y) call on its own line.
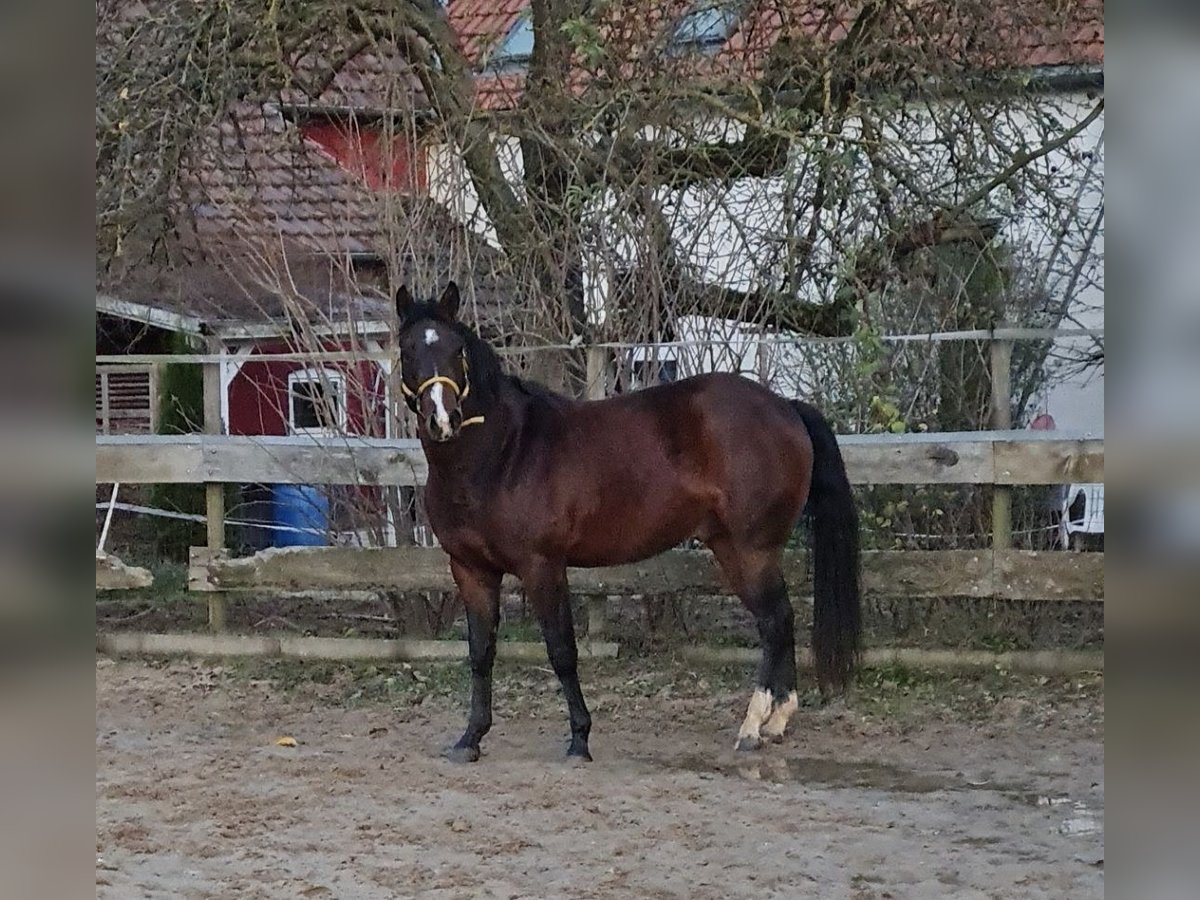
point(194, 798)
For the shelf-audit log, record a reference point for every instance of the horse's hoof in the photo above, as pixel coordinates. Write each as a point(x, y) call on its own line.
point(746, 744)
point(578, 754)
point(461, 754)
point(775, 738)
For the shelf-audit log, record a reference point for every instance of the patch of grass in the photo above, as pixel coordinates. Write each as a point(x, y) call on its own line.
point(406, 682)
point(897, 694)
point(355, 682)
point(516, 629)
point(902, 693)
point(285, 674)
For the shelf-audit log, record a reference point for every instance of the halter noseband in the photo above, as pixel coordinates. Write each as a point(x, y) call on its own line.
point(412, 398)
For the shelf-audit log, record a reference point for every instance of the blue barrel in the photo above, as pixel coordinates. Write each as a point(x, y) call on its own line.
point(302, 513)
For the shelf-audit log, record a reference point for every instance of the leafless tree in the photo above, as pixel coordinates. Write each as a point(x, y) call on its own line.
point(830, 170)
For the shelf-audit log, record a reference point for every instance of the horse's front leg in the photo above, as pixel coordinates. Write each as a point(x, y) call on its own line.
point(480, 591)
point(546, 585)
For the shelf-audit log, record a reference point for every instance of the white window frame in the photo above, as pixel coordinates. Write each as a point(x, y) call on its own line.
point(335, 380)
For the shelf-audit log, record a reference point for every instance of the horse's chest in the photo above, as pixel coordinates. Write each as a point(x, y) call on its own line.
point(450, 507)
point(458, 519)
point(487, 529)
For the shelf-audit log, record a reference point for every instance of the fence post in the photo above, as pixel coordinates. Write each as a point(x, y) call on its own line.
point(597, 372)
point(1000, 352)
point(214, 492)
point(597, 389)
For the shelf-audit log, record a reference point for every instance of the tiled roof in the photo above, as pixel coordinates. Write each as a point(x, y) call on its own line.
point(376, 79)
point(1028, 33)
point(258, 179)
point(266, 201)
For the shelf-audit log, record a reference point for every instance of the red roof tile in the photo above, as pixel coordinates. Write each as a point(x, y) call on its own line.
point(979, 35)
point(479, 24)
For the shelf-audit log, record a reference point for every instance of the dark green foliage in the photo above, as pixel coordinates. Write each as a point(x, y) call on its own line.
point(181, 411)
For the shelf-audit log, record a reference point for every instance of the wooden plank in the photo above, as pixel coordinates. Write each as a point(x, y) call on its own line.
point(149, 461)
point(933, 462)
point(1049, 575)
point(125, 642)
point(324, 568)
point(137, 459)
point(870, 459)
point(252, 462)
point(382, 648)
point(189, 644)
point(927, 573)
point(294, 647)
point(934, 573)
point(114, 575)
point(1050, 462)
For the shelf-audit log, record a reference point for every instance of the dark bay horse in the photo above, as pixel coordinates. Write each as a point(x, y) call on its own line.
point(527, 482)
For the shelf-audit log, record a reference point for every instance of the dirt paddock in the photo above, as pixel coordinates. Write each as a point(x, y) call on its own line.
point(920, 786)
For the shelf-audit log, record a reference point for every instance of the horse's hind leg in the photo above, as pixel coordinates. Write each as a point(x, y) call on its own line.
point(758, 580)
point(546, 585)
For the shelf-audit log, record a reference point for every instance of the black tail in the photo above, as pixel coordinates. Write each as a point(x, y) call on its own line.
point(837, 615)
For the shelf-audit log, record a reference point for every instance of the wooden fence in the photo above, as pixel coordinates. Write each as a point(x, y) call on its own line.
point(970, 457)
point(1003, 459)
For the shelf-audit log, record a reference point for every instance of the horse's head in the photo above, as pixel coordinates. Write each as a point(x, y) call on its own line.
point(433, 362)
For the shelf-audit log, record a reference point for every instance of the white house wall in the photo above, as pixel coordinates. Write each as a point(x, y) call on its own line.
point(450, 183)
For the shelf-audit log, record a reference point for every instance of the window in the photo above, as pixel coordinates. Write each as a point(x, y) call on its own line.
point(705, 28)
point(316, 402)
point(515, 51)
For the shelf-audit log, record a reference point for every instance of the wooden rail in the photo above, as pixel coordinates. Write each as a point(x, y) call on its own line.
point(1005, 575)
point(383, 649)
point(305, 647)
point(190, 459)
point(1003, 458)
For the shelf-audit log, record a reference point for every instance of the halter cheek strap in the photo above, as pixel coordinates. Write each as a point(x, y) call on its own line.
point(412, 397)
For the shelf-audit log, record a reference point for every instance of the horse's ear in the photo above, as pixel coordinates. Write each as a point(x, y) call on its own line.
point(448, 305)
point(404, 302)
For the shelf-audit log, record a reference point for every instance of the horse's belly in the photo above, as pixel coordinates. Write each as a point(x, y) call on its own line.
point(614, 537)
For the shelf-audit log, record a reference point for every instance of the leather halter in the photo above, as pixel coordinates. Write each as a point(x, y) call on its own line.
point(412, 397)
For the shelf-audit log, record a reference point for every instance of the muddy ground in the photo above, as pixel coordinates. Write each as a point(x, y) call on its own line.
point(919, 786)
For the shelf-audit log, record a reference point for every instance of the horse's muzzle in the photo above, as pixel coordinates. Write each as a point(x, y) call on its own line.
point(442, 431)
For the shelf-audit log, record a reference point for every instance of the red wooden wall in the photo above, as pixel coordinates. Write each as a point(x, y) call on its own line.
point(258, 394)
point(385, 162)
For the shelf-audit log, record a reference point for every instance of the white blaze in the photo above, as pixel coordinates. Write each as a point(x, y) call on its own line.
point(431, 337)
point(437, 395)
